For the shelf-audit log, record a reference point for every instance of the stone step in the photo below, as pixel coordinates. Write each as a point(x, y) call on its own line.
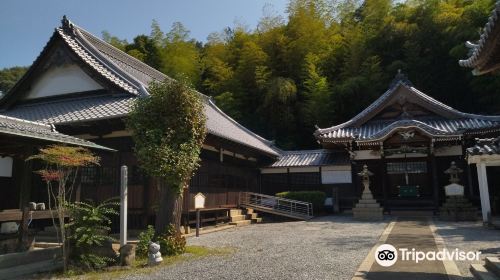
point(481, 273)
point(249, 211)
point(364, 201)
point(235, 212)
point(237, 218)
point(367, 209)
point(493, 265)
point(251, 216)
point(367, 205)
point(27, 257)
point(29, 269)
point(241, 223)
point(256, 220)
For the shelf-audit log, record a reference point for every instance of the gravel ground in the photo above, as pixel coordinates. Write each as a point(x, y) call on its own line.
point(469, 236)
point(323, 248)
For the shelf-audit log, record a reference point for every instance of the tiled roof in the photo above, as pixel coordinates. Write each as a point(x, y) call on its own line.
point(306, 158)
point(39, 131)
point(133, 77)
point(63, 111)
point(481, 52)
point(490, 146)
point(447, 122)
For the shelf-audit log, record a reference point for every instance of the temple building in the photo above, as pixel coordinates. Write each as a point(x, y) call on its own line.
point(484, 55)
point(80, 89)
point(84, 87)
point(484, 58)
point(405, 137)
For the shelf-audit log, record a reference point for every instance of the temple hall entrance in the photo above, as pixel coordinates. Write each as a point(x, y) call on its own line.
point(409, 185)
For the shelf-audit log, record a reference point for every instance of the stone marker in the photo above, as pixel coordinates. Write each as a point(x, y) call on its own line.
point(127, 255)
point(367, 207)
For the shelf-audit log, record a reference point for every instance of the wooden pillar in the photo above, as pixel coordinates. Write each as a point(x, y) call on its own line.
point(435, 183)
point(483, 190)
point(469, 181)
point(26, 179)
point(384, 181)
point(288, 181)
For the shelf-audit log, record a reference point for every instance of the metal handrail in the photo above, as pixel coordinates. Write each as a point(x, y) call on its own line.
point(277, 205)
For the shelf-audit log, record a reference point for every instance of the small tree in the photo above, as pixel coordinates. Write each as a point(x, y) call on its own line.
point(62, 164)
point(168, 129)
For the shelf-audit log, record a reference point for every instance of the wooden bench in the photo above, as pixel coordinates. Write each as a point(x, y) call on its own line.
point(17, 215)
point(216, 214)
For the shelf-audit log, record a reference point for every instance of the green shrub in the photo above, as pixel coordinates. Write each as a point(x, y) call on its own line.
point(90, 243)
point(144, 238)
point(171, 242)
point(92, 261)
point(317, 198)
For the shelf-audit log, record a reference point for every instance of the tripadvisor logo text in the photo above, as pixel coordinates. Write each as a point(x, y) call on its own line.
point(387, 255)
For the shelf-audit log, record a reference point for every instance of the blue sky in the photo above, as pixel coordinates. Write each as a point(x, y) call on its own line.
point(26, 26)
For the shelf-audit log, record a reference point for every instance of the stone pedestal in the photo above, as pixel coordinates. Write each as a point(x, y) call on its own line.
point(457, 208)
point(367, 208)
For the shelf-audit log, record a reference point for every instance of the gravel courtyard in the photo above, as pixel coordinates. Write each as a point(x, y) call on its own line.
point(469, 236)
point(323, 248)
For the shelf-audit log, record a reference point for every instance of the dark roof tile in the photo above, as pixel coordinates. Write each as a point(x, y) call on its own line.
point(40, 131)
point(311, 158)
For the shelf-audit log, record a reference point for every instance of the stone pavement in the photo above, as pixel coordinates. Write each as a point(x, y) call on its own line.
point(409, 233)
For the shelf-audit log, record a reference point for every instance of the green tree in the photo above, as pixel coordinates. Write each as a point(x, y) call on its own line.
point(9, 77)
point(62, 164)
point(168, 129)
point(181, 55)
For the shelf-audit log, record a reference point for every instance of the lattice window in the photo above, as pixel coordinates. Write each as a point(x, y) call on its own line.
point(406, 167)
point(89, 175)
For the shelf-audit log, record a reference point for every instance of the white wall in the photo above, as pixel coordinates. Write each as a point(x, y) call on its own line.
point(6, 166)
point(68, 78)
point(336, 174)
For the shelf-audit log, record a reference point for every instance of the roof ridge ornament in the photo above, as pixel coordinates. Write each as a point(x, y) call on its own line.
point(66, 23)
point(400, 78)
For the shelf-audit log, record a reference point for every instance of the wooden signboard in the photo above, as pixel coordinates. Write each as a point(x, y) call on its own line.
point(199, 201)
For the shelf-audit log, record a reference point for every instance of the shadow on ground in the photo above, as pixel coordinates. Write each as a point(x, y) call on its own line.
point(386, 275)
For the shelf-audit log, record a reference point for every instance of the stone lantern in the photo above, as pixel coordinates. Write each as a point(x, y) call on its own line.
point(456, 207)
point(367, 208)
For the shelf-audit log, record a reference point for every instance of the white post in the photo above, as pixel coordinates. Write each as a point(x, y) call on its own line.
point(483, 190)
point(123, 206)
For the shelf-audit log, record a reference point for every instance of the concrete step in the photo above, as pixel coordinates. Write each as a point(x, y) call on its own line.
point(251, 216)
point(27, 257)
point(256, 220)
point(249, 211)
point(237, 218)
point(29, 269)
point(235, 212)
point(481, 273)
point(493, 265)
point(241, 223)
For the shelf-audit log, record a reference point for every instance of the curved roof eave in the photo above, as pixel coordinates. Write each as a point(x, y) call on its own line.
point(378, 104)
